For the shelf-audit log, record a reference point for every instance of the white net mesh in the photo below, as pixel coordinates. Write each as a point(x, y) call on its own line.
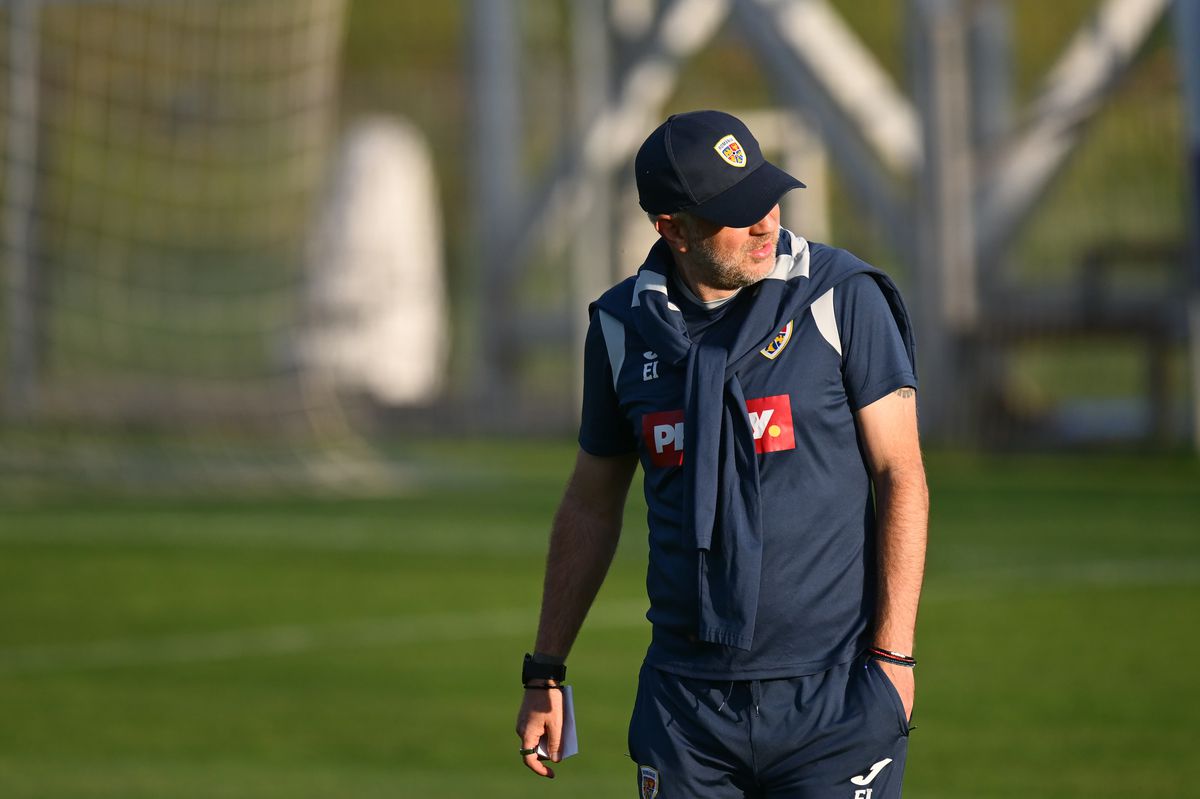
point(163, 162)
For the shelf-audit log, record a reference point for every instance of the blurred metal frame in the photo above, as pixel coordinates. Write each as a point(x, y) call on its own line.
point(1187, 32)
point(976, 176)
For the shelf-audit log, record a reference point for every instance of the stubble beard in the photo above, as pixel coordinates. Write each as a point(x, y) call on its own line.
point(729, 271)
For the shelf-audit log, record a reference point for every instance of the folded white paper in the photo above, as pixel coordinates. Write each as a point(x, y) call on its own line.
point(569, 745)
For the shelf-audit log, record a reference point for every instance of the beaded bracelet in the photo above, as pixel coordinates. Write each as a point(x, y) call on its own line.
point(896, 658)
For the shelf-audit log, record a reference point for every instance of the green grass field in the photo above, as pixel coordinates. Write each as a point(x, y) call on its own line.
point(370, 648)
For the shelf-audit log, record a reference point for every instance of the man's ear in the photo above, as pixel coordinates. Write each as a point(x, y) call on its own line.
point(671, 230)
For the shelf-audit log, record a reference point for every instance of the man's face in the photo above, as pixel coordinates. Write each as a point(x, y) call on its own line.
point(729, 258)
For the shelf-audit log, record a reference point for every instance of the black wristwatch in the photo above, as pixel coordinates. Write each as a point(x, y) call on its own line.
point(532, 670)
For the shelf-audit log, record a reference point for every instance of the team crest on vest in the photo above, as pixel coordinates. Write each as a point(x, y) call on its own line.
point(647, 782)
point(772, 350)
point(731, 151)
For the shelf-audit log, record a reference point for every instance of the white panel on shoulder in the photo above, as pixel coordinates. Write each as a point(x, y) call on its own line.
point(614, 341)
point(826, 319)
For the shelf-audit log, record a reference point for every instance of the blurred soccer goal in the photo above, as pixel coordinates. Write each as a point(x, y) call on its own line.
point(162, 165)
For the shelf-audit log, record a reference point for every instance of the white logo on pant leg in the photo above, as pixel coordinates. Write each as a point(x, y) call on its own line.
point(868, 778)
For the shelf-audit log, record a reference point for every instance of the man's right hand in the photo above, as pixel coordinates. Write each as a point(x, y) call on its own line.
point(541, 714)
point(583, 539)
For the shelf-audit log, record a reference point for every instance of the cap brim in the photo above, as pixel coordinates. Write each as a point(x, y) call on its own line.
point(750, 199)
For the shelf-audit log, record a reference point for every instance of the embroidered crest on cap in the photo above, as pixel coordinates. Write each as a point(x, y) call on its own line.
point(648, 782)
point(731, 151)
point(779, 342)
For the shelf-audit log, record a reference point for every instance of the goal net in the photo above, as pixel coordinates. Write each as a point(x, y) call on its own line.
point(162, 161)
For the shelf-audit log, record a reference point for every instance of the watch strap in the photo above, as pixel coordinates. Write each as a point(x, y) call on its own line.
point(534, 670)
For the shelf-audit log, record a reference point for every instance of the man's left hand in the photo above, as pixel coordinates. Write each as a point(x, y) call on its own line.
point(905, 682)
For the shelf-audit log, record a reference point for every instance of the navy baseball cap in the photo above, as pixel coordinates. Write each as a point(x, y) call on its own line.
point(708, 164)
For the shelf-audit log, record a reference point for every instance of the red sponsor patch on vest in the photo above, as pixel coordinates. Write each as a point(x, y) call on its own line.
point(663, 434)
point(770, 421)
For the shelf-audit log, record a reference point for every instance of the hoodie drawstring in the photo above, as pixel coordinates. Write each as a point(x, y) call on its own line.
point(725, 701)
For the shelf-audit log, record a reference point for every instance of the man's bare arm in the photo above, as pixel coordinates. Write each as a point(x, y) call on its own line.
point(888, 428)
point(583, 540)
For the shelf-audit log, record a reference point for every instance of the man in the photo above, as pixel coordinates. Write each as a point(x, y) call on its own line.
point(767, 386)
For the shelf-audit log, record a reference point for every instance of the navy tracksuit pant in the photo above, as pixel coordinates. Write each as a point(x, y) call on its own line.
point(839, 734)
